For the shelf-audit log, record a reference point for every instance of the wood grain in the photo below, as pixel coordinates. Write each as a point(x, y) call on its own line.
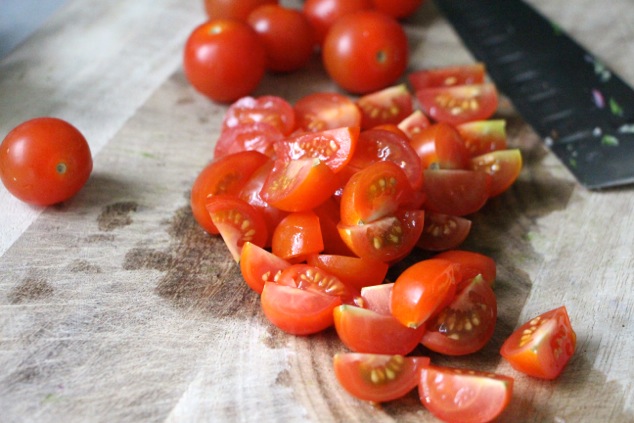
point(115, 306)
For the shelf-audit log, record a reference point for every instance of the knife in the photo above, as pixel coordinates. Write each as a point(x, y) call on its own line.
point(582, 110)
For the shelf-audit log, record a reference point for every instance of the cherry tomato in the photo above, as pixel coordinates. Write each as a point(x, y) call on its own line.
point(456, 192)
point(297, 236)
point(353, 271)
point(448, 76)
point(464, 395)
point(233, 9)
point(44, 161)
point(311, 278)
point(328, 213)
point(414, 123)
point(212, 66)
point(268, 109)
point(323, 13)
point(286, 34)
point(320, 111)
point(504, 166)
point(443, 232)
point(365, 51)
point(259, 266)
point(258, 136)
point(471, 265)
point(459, 104)
point(389, 105)
point(483, 136)
point(378, 297)
point(397, 8)
point(542, 346)
point(441, 147)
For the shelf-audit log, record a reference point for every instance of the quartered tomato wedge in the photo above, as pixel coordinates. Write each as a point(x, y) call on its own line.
point(378, 298)
point(321, 111)
point(440, 146)
point(504, 166)
point(259, 266)
point(334, 147)
point(459, 104)
point(464, 396)
point(237, 221)
point(471, 264)
point(542, 346)
point(311, 278)
point(456, 192)
point(255, 136)
point(466, 324)
point(448, 76)
point(329, 216)
point(443, 232)
point(414, 123)
point(353, 271)
point(271, 110)
point(483, 136)
point(389, 105)
point(297, 236)
point(297, 311)
point(378, 378)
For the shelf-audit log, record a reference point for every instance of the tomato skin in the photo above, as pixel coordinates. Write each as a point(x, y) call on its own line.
point(441, 146)
point(459, 104)
point(365, 51)
point(44, 161)
point(542, 346)
point(443, 232)
point(257, 136)
point(297, 236)
point(504, 166)
point(463, 395)
point(259, 266)
point(323, 13)
point(397, 8)
point(483, 136)
point(211, 65)
point(326, 110)
point(269, 109)
point(353, 271)
point(448, 76)
point(456, 192)
point(286, 34)
point(233, 9)
point(472, 264)
point(378, 377)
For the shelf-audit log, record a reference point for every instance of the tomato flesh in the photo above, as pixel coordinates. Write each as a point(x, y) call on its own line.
point(459, 104)
point(448, 76)
point(443, 232)
point(259, 266)
point(326, 110)
point(483, 136)
point(504, 167)
point(353, 271)
point(389, 105)
point(312, 278)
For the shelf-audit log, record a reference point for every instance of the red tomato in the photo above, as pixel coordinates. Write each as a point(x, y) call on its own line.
point(378, 298)
point(365, 51)
point(286, 34)
point(466, 324)
point(226, 175)
point(269, 109)
point(462, 395)
point(311, 278)
point(483, 136)
point(320, 111)
point(297, 311)
point(353, 271)
point(504, 166)
point(334, 147)
point(257, 136)
point(397, 8)
point(448, 76)
point(328, 213)
point(456, 192)
point(367, 331)
point(414, 123)
point(389, 105)
point(299, 185)
point(441, 147)
point(259, 266)
point(233, 9)
point(237, 221)
point(297, 236)
point(323, 13)
point(212, 66)
point(44, 161)
point(542, 346)
point(421, 289)
point(443, 232)
point(459, 104)
point(471, 265)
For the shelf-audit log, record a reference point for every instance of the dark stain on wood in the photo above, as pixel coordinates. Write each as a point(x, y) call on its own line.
point(29, 289)
point(83, 266)
point(116, 215)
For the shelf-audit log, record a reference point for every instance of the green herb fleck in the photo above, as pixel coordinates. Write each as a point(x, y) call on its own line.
point(610, 141)
point(572, 162)
point(615, 107)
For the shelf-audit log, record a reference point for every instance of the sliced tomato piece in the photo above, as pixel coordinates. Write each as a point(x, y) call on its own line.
point(297, 311)
point(388, 239)
point(353, 271)
point(389, 105)
point(414, 123)
point(447, 76)
point(259, 266)
point(443, 232)
point(462, 395)
point(312, 278)
point(504, 166)
point(334, 147)
point(268, 109)
point(256, 136)
point(422, 290)
point(466, 324)
point(440, 146)
point(471, 264)
point(299, 185)
point(542, 346)
point(377, 377)
point(456, 192)
point(329, 216)
point(297, 236)
point(483, 136)
point(321, 111)
point(367, 331)
point(374, 192)
point(226, 175)
point(459, 104)
point(378, 298)
point(237, 221)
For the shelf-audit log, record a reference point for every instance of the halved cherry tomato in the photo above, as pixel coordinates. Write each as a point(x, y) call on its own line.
point(389, 105)
point(378, 378)
point(259, 266)
point(323, 13)
point(237, 221)
point(466, 324)
point(353, 271)
point(321, 111)
point(367, 331)
point(269, 109)
point(334, 147)
point(378, 297)
point(459, 104)
point(257, 136)
point(297, 311)
point(299, 185)
point(440, 146)
point(414, 123)
point(542, 346)
point(483, 136)
point(422, 289)
point(297, 236)
point(504, 166)
point(456, 192)
point(471, 265)
point(443, 232)
point(464, 396)
point(448, 76)
point(312, 278)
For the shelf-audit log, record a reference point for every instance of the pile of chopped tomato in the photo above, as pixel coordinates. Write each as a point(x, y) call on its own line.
point(316, 200)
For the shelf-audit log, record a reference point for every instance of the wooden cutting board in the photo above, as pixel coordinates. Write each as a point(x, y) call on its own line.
point(115, 306)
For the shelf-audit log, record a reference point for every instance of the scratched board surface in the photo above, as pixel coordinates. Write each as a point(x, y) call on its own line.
point(116, 306)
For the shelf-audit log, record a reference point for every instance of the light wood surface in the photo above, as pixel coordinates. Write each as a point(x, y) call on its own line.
point(116, 307)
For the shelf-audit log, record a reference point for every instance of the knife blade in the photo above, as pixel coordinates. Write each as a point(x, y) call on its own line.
point(581, 109)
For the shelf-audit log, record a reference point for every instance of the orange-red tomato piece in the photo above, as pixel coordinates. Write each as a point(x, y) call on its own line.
point(297, 236)
point(353, 271)
point(483, 136)
point(259, 266)
point(387, 106)
point(447, 76)
point(471, 264)
point(504, 166)
point(455, 192)
point(326, 110)
point(459, 104)
point(440, 146)
point(443, 232)
point(312, 278)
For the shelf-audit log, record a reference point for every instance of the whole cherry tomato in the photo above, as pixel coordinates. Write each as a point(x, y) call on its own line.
point(323, 13)
point(233, 9)
point(397, 8)
point(44, 161)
